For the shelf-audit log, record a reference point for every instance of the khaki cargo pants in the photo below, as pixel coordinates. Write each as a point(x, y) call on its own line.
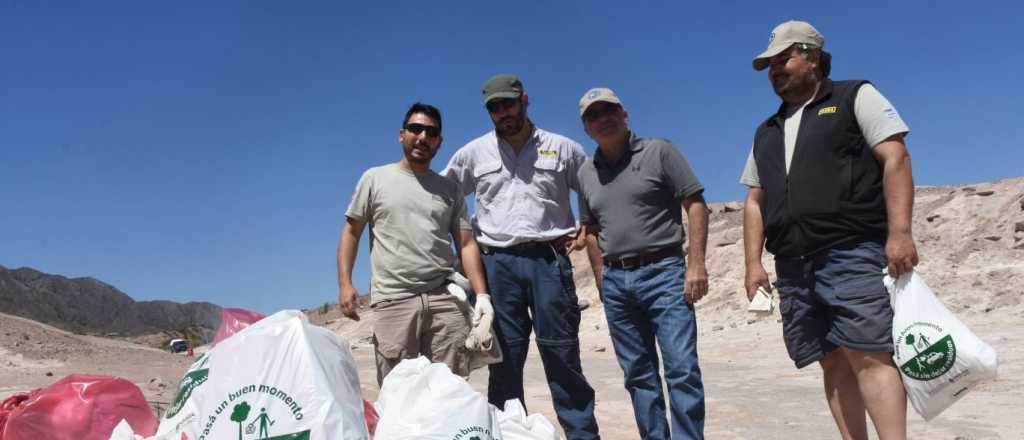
point(429, 325)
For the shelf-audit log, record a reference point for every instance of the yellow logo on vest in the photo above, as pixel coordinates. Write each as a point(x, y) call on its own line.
point(549, 153)
point(827, 110)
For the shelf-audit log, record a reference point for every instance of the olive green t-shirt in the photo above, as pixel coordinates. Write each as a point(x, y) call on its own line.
point(413, 219)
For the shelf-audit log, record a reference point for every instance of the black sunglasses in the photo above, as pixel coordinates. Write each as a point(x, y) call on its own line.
point(599, 111)
point(497, 105)
point(415, 128)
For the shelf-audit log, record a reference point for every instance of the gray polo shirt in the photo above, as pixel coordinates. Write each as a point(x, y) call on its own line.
point(636, 204)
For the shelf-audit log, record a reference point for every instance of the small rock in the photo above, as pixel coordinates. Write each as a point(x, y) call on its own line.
point(24, 336)
point(717, 328)
point(989, 309)
point(932, 217)
point(732, 207)
point(993, 238)
point(984, 193)
point(1018, 227)
point(751, 321)
point(49, 374)
point(969, 189)
point(733, 325)
point(330, 321)
point(600, 349)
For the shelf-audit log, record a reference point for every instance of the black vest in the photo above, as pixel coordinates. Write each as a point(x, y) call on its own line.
point(833, 193)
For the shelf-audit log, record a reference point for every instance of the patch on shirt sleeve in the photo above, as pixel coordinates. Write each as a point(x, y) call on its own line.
point(890, 113)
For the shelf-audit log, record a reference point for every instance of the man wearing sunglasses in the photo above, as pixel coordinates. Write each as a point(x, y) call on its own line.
point(416, 216)
point(521, 176)
point(632, 197)
point(830, 195)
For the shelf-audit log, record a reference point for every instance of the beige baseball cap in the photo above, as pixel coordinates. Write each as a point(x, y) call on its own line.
point(785, 35)
point(598, 94)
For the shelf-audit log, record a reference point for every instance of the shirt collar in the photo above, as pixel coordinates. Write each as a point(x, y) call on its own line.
point(633, 144)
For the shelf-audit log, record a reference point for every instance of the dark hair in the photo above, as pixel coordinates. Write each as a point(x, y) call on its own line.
point(427, 109)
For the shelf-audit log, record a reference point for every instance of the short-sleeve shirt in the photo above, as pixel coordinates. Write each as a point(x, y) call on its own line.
point(636, 203)
point(413, 219)
point(519, 197)
point(877, 118)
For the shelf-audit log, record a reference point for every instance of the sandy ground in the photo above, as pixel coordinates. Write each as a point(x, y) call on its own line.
point(971, 240)
point(753, 391)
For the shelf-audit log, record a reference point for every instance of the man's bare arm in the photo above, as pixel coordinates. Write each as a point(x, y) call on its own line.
point(348, 247)
point(753, 243)
point(470, 255)
point(696, 270)
point(898, 184)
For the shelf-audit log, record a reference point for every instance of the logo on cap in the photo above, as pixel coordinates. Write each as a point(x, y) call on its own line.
point(594, 94)
point(771, 38)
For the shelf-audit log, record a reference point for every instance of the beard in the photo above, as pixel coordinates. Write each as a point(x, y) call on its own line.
point(510, 125)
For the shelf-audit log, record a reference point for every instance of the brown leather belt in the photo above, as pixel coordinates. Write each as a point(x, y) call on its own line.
point(630, 263)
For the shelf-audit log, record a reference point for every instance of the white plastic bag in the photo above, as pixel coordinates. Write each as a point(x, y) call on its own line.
point(939, 358)
point(516, 425)
point(280, 378)
point(424, 401)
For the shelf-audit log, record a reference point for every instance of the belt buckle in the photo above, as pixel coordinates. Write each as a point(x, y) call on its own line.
point(630, 263)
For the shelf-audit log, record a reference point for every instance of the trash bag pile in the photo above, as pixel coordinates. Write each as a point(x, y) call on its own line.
point(272, 378)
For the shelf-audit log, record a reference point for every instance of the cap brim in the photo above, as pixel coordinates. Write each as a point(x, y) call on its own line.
point(761, 61)
point(609, 100)
point(500, 95)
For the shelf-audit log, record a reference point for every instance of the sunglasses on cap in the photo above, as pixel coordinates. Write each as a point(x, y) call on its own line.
point(497, 105)
point(415, 128)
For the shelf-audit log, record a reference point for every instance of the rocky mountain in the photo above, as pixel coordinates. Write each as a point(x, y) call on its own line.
point(87, 305)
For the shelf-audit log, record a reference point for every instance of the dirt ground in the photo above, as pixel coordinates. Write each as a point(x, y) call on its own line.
point(753, 391)
point(971, 239)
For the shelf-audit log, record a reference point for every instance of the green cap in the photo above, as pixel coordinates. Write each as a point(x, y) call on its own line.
point(502, 86)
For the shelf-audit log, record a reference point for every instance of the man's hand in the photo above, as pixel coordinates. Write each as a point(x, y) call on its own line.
point(483, 307)
point(347, 299)
point(696, 282)
point(756, 277)
point(901, 253)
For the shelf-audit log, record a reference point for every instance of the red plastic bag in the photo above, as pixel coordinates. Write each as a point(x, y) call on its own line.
point(370, 413)
point(233, 321)
point(78, 407)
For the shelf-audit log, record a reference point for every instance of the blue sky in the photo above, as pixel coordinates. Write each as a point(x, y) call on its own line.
point(207, 150)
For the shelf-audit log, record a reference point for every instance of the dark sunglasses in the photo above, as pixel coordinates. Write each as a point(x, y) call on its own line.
point(597, 112)
point(415, 128)
point(497, 105)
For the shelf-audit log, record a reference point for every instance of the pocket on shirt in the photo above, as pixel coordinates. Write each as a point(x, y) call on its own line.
point(547, 172)
point(488, 181)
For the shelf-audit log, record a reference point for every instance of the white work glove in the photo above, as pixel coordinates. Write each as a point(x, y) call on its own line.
point(483, 309)
point(483, 316)
point(458, 293)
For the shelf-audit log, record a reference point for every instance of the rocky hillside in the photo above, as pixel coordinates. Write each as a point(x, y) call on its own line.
point(87, 305)
point(970, 240)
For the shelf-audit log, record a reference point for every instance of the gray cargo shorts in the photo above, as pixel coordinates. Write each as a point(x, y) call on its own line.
point(834, 299)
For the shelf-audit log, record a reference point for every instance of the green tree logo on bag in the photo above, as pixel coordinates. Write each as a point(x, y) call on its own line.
point(923, 352)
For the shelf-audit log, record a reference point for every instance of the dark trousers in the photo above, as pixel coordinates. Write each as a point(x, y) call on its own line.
point(538, 282)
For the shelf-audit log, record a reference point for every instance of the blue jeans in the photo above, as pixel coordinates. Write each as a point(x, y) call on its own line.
point(538, 282)
point(644, 305)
